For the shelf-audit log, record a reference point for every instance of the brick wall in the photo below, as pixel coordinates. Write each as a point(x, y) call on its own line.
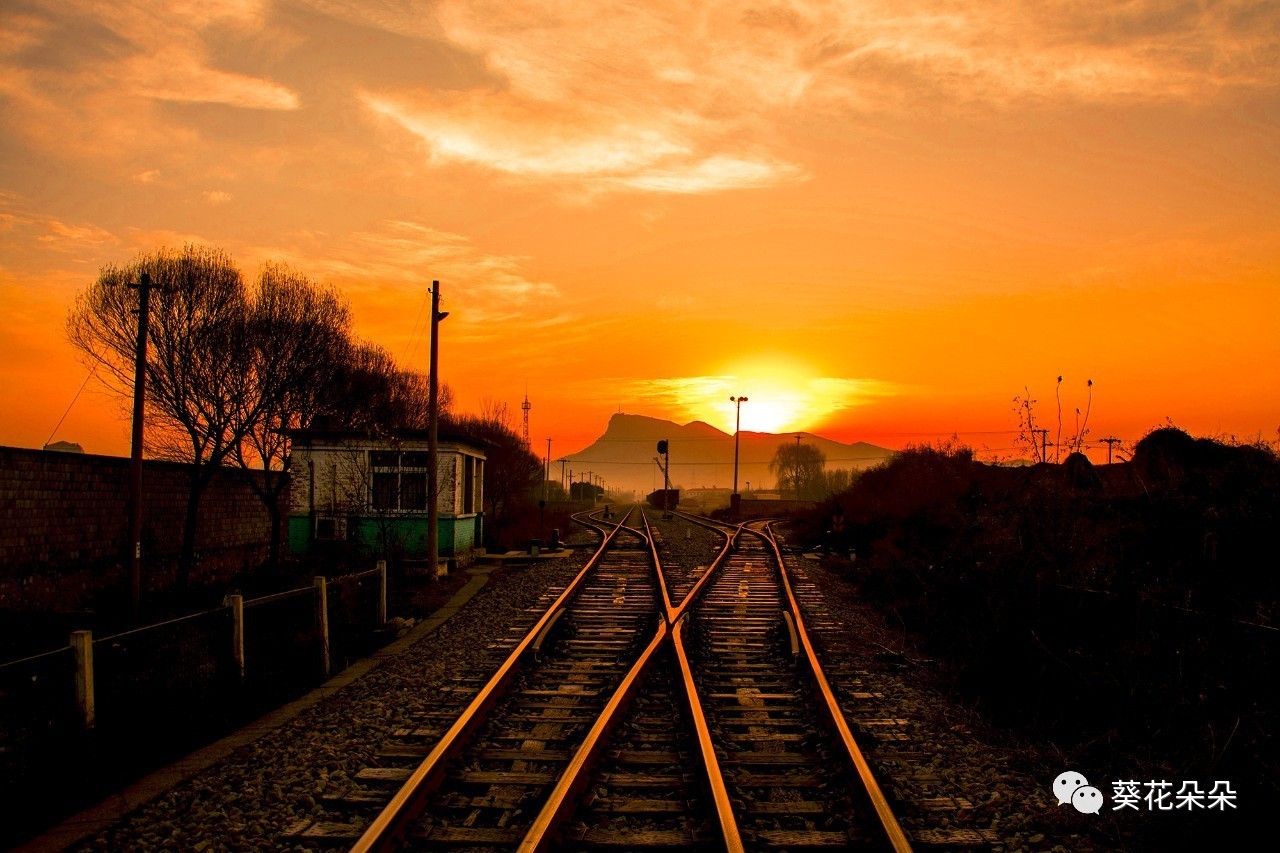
point(63, 525)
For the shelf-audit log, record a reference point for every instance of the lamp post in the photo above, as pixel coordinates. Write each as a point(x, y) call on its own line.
point(735, 499)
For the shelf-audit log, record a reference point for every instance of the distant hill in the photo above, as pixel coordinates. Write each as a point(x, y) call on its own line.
point(701, 455)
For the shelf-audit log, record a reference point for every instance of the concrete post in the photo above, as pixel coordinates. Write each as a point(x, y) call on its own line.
point(82, 646)
point(322, 623)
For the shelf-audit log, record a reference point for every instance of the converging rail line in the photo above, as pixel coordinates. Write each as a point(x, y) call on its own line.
point(646, 708)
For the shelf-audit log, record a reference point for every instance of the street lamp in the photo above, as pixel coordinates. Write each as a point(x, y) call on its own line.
point(737, 428)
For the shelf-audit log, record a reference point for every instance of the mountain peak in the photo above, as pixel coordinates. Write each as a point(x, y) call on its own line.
point(701, 454)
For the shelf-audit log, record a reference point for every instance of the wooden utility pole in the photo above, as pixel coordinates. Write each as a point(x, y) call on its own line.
point(1044, 444)
point(1111, 442)
point(134, 544)
point(433, 425)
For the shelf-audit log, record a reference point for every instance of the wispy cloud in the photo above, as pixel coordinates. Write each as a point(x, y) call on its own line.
point(556, 142)
point(401, 257)
point(672, 98)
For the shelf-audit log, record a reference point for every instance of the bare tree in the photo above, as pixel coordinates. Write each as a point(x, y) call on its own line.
point(202, 398)
point(369, 391)
point(799, 468)
point(299, 342)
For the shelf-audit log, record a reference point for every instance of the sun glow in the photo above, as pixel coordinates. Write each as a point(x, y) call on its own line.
point(769, 408)
point(781, 396)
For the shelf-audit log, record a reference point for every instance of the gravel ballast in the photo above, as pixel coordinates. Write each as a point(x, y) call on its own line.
point(248, 800)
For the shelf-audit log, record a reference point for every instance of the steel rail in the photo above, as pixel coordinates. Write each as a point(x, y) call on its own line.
point(560, 805)
point(662, 578)
point(673, 616)
point(711, 763)
point(562, 802)
point(828, 703)
point(389, 827)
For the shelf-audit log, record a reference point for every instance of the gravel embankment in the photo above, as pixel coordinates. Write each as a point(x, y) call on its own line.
point(245, 802)
point(1007, 779)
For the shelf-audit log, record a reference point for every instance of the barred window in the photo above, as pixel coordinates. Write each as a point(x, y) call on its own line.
point(399, 480)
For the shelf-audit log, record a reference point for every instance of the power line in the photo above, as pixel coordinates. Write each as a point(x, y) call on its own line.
point(413, 336)
point(92, 371)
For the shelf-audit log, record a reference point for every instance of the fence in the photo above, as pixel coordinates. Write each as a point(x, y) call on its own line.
point(37, 704)
point(357, 605)
point(151, 677)
point(208, 664)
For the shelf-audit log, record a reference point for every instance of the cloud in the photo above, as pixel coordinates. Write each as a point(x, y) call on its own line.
point(672, 98)
point(19, 225)
point(216, 196)
point(545, 141)
point(729, 61)
point(176, 74)
point(401, 255)
point(87, 79)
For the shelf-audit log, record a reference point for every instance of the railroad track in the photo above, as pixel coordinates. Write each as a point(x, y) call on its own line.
point(645, 712)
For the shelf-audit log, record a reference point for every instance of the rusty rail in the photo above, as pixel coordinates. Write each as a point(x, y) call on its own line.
point(831, 707)
point(389, 827)
point(560, 805)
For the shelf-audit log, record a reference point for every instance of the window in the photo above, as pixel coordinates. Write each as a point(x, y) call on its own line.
point(468, 484)
point(399, 481)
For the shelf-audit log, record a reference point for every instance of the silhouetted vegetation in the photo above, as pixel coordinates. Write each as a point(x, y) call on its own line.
point(1127, 610)
point(512, 472)
point(231, 366)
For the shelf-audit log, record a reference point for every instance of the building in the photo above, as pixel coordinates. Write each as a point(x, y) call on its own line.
point(352, 486)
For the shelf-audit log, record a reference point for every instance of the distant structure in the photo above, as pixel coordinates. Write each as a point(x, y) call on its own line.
point(526, 405)
point(64, 447)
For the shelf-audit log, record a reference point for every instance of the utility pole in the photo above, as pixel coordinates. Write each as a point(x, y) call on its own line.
point(1044, 444)
point(546, 472)
point(546, 485)
point(433, 425)
point(1111, 442)
point(563, 480)
point(135, 453)
point(664, 448)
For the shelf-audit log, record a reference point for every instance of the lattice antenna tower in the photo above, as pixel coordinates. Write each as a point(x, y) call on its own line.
point(526, 406)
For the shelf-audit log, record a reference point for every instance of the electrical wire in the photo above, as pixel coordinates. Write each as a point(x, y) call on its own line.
point(413, 336)
point(92, 371)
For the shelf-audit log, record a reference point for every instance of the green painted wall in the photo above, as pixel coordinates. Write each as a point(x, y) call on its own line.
point(457, 535)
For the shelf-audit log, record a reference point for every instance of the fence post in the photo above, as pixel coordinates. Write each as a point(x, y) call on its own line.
point(236, 603)
point(82, 646)
point(322, 623)
point(382, 592)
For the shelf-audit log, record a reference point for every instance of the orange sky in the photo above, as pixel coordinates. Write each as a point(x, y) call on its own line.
point(880, 225)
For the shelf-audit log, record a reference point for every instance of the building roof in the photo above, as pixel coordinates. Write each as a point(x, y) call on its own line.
point(324, 436)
